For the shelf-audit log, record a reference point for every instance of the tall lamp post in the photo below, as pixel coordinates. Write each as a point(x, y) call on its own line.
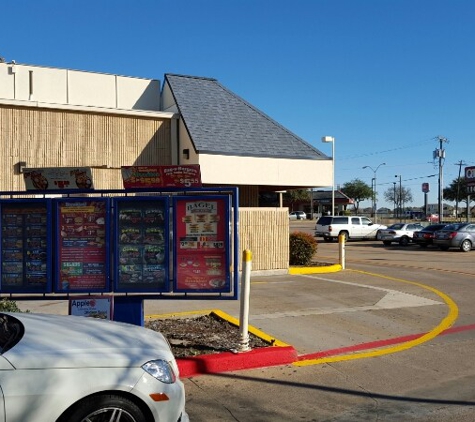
point(375, 191)
point(394, 197)
point(400, 195)
point(332, 140)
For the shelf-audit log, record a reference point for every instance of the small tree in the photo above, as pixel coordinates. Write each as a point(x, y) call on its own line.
point(296, 195)
point(458, 192)
point(358, 191)
point(399, 196)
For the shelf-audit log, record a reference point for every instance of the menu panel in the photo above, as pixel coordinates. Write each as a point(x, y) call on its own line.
point(142, 244)
point(83, 246)
point(201, 244)
point(25, 246)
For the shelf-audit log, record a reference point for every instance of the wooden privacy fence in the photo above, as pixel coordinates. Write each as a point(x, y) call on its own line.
point(265, 232)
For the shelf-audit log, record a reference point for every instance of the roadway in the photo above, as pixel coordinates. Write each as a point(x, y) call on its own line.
point(390, 338)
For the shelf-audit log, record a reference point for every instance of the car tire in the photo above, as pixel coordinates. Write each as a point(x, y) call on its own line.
point(466, 246)
point(345, 234)
point(103, 407)
point(404, 241)
point(386, 242)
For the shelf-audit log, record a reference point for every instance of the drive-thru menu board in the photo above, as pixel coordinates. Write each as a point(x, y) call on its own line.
point(201, 241)
point(25, 246)
point(141, 244)
point(83, 247)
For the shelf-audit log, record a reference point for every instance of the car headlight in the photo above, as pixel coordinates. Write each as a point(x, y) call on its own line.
point(161, 370)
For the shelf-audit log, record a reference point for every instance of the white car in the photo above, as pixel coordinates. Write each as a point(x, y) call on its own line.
point(57, 368)
point(401, 233)
point(297, 215)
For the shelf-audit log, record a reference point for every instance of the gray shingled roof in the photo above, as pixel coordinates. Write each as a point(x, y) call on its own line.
point(220, 122)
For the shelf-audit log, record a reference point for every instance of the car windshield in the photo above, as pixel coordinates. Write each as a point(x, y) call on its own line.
point(11, 331)
point(434, 228)
point(453, 227)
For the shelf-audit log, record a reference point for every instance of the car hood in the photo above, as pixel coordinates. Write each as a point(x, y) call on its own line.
point(58, 341)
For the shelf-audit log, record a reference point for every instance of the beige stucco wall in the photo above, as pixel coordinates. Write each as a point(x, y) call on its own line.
point(235, 170)
point(74, 87)
point(265, 232)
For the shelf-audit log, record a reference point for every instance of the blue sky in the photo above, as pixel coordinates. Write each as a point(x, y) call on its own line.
point(384, 77)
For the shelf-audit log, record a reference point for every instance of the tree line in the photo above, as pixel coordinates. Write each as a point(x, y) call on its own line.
point(400, 196)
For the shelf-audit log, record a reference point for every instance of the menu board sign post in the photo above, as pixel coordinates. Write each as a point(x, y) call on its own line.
point(82, 245)
point(142, 239)
point(25, 246)
point(100, 307)
point(201, 244)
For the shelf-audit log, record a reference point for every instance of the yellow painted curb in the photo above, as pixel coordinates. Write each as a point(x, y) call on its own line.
point(315, 270)
point(220, 314)
point(446, 323)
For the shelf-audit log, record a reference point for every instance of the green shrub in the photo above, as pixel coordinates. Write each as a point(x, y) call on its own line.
point(7, 305)
point(302, 248)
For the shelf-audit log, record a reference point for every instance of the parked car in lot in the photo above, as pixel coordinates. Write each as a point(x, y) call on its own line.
point(400, 233)
point(425, 237)
point(297, 215)
point(352, 227)
point(458, 235)
point(76, 369)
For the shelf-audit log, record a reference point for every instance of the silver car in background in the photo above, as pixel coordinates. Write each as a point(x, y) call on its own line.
point(401, 233)
point(457, 235)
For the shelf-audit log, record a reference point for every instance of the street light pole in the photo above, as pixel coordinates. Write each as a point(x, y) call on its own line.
point(394, 212)
point(332, 140)
point(400, 193)
point(375, 192)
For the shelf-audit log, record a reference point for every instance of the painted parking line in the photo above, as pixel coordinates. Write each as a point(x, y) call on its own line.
point(411, 342)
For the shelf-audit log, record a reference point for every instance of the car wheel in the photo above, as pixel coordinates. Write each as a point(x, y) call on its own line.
point(466, 246)
point(404, 241)
point(110, 407)
point(345, 234)
point(443, 248)
point(386, 242)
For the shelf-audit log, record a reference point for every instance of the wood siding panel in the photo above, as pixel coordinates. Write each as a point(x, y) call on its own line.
point(265, 232)
point(58, 138)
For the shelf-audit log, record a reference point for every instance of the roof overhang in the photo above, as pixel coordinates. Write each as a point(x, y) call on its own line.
point(281, 172)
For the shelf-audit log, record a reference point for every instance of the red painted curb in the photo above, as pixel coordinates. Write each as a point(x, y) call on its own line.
point(227, 361)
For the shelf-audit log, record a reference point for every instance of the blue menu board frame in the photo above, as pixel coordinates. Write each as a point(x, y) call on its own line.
point(25, 246)
point(201, 244)
point(141, 239)
point(82, 261)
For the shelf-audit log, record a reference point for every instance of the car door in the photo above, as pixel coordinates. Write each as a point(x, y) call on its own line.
point(366, 228)
point(356, 227)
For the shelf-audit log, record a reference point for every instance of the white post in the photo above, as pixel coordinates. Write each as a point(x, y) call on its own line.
point(341, 247)
point(245, 294)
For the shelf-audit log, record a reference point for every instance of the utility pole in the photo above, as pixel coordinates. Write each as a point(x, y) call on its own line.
point(460, 164)
point(440, 154)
